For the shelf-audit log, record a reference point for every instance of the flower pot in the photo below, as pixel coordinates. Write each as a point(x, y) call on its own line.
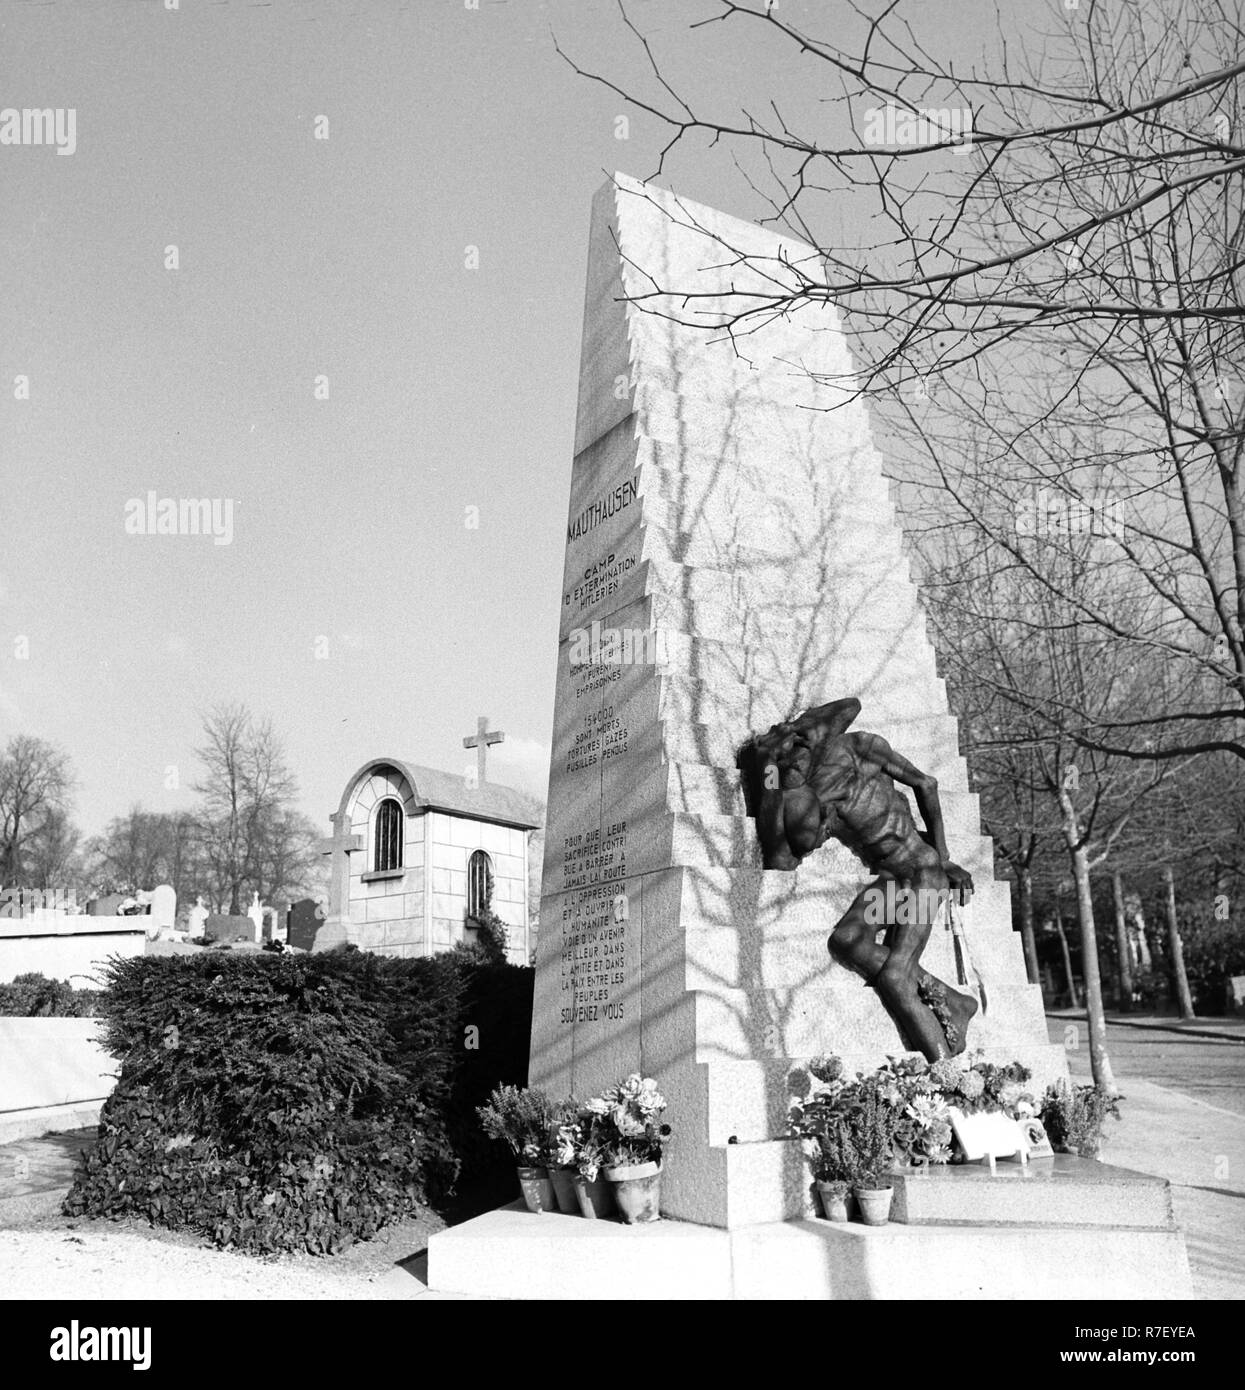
point(637, 1190)
point(874, 1204)
point(596, 1199)
point(537, 1190)
point(563, 1180)
point(834, 1203)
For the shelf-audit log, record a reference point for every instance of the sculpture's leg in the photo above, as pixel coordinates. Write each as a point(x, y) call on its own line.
point(895, 970)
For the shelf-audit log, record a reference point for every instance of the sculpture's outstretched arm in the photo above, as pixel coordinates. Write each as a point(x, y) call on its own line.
point(925, 787)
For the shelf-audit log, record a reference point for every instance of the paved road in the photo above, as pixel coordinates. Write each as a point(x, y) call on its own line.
point(1208, 1069)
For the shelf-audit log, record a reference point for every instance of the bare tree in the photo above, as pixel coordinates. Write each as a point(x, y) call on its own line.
point(1060, 260)
point(35, 784)
point(246, 788)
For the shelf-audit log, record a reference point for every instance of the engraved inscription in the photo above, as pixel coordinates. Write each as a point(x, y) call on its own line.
point(594, 920)
point(602, 737)
point(594, 952)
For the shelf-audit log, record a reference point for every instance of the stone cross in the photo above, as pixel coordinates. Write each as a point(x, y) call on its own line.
point(339, 846)
point(483, 737)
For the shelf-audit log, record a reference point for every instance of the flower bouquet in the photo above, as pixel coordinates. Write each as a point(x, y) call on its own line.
point(622, 1137)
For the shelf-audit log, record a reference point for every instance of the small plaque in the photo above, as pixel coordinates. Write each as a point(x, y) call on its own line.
point(1036, 1139)
point(989, 1134)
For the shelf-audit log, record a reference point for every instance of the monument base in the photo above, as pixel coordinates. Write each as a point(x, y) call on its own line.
point(1067, 1228)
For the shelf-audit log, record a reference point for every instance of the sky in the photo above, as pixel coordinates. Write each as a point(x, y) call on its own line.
point(387, 427)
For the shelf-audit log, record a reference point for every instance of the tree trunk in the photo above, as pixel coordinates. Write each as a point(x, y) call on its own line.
point(1026, 926)
point(1144, 959)
point(1100, 1062)
point(1122, 945)
point(1091, 976)
point(1067, 958)
point(1183, 998)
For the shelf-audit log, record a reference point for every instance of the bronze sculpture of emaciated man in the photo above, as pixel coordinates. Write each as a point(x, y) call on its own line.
point(809, 780)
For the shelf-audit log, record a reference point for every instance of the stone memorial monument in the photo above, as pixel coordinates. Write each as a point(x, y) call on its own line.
point(732, 548)
point(733, 563)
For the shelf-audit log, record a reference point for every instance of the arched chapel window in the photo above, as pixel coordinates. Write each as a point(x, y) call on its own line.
point(387, 852)
point(479, 880)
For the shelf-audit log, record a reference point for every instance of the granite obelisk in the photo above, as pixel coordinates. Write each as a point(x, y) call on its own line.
point(732, 557)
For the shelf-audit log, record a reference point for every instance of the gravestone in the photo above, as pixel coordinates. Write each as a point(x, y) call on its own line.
point(106, 905)
point(163, 910)
point(732, 558)
point(221, 926)
point(305, 918)
point(256, 913)
point(196, 918)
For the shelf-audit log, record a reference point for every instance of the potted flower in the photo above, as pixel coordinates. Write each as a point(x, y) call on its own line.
point(594, 1196)
point(626, 1135)
point(521, 1119)
point(833, 1173)
point(816, 1118)
point(1074, 1117)
point(562, 1154)
point(870, 1126)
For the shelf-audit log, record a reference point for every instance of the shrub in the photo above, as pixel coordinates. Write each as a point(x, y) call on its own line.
point(1074, 1117)
point(35, 996)
point(281, 1101)
point(1213, 952)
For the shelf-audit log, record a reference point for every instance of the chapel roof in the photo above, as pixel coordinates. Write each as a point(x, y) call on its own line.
point(435, 790)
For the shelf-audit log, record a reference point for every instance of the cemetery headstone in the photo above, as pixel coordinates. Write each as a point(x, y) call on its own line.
point(106, 905)
point(163, 910)
point(305, 918)
point(195, 919)
point(256, 913)
point(220, 926)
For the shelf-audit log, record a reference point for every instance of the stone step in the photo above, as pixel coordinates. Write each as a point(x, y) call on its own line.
point(1059, 1191)
point(768, 956)
point(751, 1100)
point(745, 926)
point(713, 522)
point(701, 789)
point(928, 740)
point(730, 841)
point(511, 1253)
point(850, 1261)
point(828, 1015)
point(795, 439)
point(694, 483)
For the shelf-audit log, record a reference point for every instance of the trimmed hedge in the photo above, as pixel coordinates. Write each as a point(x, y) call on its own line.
point(35, 996)
point(278, 1102)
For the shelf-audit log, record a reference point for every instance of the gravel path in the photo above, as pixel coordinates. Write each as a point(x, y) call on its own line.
point(102, 1263)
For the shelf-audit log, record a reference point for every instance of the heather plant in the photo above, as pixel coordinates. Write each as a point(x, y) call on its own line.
point(1074, 1117)
point(522, 1119)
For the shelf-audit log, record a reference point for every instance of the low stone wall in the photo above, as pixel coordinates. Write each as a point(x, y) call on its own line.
point(52, 1061)
point(67, 947)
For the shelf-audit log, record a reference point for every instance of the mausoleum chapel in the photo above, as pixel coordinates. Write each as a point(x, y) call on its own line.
point(417, 853)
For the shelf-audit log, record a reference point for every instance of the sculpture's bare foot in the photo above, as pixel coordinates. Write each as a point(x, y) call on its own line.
point(961, 1007)
point(951, 1008)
